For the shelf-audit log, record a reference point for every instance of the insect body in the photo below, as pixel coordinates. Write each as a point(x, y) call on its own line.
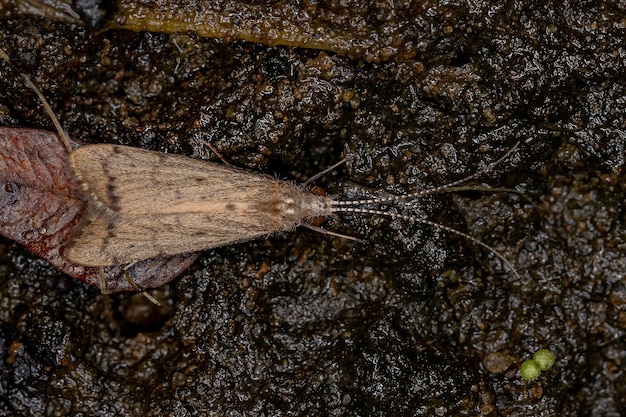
point(144, 204)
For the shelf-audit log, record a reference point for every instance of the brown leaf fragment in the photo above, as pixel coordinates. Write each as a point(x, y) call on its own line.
point(374, 31)
point(41, 204)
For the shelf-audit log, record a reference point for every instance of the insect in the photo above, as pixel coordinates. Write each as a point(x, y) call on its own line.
point(144, 204)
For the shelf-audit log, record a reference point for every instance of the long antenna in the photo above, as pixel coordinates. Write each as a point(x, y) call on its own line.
point(431, 224)
point(442, 188)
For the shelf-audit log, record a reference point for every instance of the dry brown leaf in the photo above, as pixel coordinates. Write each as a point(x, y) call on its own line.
point(41, 203)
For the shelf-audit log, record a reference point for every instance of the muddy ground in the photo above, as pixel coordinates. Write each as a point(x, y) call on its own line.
point(414, 320)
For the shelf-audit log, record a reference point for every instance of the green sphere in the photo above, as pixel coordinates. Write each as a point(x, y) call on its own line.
point(544, 358)
point(529, 369)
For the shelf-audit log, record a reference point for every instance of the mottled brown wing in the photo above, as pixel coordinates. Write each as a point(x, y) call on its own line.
point(145, 204)
point(41, 204)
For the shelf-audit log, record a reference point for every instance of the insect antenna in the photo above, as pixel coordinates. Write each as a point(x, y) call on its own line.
point(415, 219)
point(347, 206)
point(451, 186)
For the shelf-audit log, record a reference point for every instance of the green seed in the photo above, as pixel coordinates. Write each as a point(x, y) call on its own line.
point(529, 369)
point(544, 358)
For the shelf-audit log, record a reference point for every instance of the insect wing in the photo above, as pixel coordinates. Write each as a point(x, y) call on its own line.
point(145, 204)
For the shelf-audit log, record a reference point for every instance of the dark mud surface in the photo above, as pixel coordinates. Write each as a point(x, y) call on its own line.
point(414, 321)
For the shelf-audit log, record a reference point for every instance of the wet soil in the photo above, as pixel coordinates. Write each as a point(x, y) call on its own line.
point(415, 320)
